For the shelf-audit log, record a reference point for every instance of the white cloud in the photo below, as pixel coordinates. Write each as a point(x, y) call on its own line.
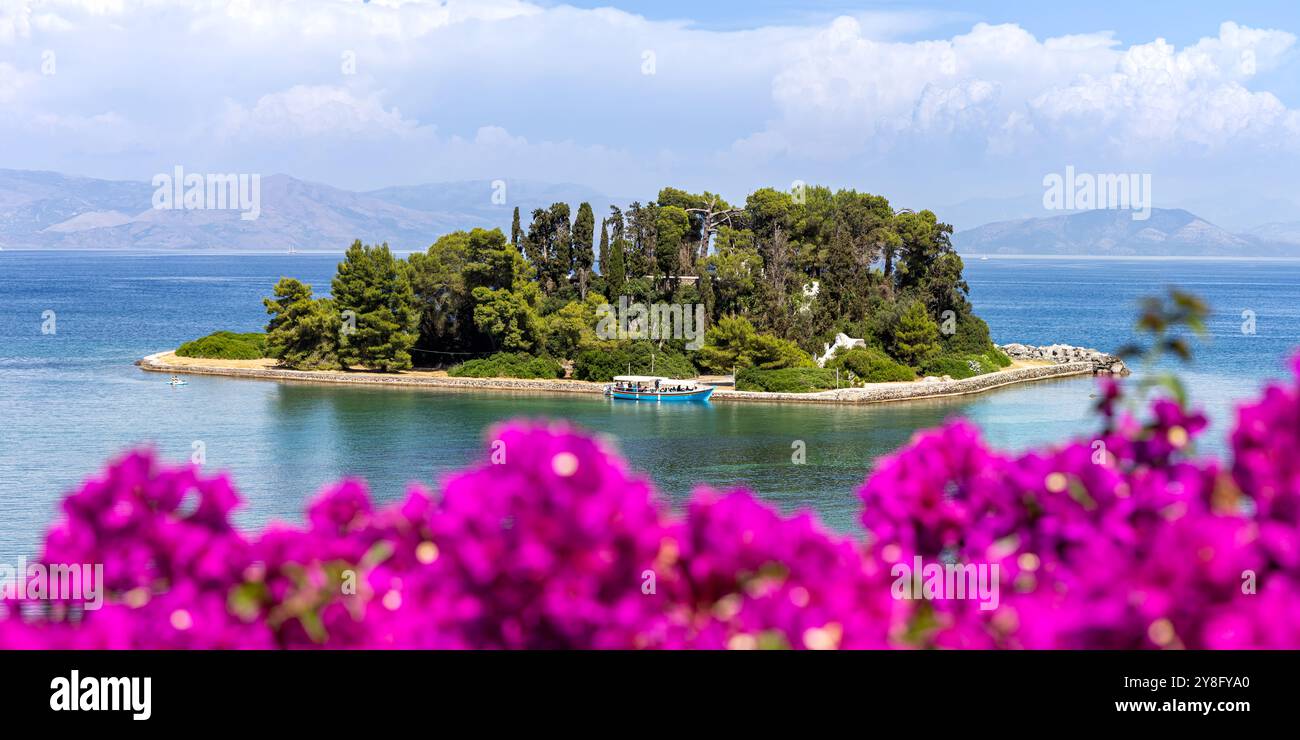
point(15, 20)
point(845, 89)
point(1158, 96)
point(507, 88)
point(12, 81)
point(847, 93)
point(314, 111)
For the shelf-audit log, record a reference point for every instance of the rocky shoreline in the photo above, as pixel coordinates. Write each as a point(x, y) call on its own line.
point(887, 392)
point(877, 393)
point(1061, 354)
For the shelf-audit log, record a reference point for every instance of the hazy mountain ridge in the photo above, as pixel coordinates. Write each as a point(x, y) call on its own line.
point(47, 210)
point(1169, 232)
point(1282, 232)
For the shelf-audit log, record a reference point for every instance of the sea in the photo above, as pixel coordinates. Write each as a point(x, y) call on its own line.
point(73, 323)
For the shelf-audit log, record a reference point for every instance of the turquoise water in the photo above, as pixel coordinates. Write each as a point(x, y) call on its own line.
point(72, 399)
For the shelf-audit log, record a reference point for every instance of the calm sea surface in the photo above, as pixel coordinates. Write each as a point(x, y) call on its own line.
point(72, 399)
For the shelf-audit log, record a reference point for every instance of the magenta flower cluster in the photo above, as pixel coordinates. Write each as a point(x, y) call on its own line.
point(1127, 540)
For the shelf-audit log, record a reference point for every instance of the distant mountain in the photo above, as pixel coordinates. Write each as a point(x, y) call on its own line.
point(47, 210)
point(972, 212)
point(1241, 216)
point(1168, 232)
point(1283, 232)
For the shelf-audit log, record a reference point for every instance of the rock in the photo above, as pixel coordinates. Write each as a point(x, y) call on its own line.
point(843, 341)
point(1060, 354)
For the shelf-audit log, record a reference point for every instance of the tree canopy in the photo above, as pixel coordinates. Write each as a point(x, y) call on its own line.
point(778, 275)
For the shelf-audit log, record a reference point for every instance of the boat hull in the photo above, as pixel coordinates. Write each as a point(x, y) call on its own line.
point(697, 395)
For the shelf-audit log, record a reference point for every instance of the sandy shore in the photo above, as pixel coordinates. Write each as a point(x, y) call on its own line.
point(266, 369)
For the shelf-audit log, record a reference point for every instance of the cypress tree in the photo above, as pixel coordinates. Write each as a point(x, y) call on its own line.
point(582, 258)
point(536, 244)
point(604, 247)
point(560, 251)
point(617, 275)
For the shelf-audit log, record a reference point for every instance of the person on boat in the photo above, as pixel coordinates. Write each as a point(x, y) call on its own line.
point(174, 379)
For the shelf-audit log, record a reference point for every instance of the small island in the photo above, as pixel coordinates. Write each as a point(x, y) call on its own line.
point(810, 295)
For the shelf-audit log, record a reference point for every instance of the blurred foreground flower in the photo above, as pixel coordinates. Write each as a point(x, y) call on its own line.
point(1124, 541)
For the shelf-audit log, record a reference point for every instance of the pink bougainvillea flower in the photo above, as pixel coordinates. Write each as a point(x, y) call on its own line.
point(1121, 541)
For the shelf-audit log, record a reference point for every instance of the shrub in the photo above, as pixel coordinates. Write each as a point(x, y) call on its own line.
point(871, 365)
point(509, 365)
point(969, 337)
point(603, 361)
point(786, 380)
point(734, 342)
point(226, 345)
point(966, 366)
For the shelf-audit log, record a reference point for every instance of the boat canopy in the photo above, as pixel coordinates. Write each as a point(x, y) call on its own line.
point(649, 379)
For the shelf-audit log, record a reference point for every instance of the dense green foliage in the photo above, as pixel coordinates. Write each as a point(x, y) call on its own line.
point(303, 332)
point(870, 365)
point(607, 359)
point(786, 380)
point(734, 343)
point(226, 345)
point(776, 277)
point(509, 365)
point(967, 365)
point(373, 294)
point(916, 336)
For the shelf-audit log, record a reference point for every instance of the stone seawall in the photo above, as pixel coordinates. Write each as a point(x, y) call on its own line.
point(887, 392)
point(155, 363)
point(880, 393)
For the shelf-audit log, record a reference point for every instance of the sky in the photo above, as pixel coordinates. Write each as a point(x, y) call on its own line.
point(966, 105)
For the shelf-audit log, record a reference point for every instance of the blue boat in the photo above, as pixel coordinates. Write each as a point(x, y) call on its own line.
point(654, 388)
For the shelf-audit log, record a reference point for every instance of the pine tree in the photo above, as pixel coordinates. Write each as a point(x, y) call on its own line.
point(516, 231)
point(303, 333)
point(376, 288)
point(916, 338)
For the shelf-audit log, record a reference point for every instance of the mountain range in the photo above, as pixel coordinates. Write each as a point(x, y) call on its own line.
point(48, 210)
point(1168, 232)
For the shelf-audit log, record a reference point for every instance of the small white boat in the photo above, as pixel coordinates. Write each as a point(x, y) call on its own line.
point(655, 388)
point(177, 381)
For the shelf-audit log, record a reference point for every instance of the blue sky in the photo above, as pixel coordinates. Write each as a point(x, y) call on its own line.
point(1179, 21)
point(964, 106)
